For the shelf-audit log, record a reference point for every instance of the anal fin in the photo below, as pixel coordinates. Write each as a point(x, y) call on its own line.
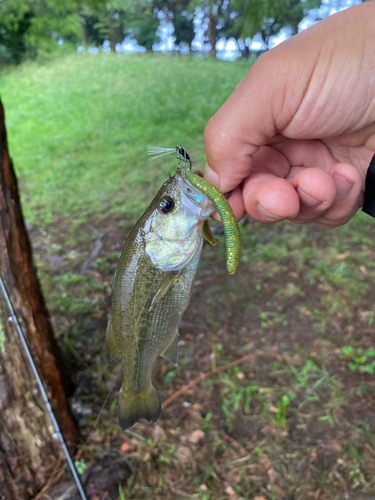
point(171, 351)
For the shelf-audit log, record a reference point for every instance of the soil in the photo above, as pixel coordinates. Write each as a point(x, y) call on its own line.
point(303, 422)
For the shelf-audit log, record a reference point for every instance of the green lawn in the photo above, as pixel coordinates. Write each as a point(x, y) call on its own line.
point(79, 126)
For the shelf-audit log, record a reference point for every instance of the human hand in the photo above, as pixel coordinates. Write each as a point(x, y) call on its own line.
point(296, 137)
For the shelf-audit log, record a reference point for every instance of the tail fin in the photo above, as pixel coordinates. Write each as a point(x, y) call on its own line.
point(132, 407)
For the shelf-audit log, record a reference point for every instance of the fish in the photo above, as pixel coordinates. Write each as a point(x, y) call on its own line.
point(152, 288)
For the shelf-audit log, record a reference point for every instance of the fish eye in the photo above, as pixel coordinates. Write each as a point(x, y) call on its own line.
point(166, 205)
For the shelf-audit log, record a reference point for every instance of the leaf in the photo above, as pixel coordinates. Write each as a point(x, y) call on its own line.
point(114, 404)
point(352, 366)
point(368, 368)
point(347, 350)
point(361, 360)
point(370, 353)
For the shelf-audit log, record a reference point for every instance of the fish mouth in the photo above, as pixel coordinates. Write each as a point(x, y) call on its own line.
point(194, 198)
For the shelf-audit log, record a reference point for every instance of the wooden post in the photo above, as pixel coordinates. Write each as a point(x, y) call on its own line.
point(26, 442)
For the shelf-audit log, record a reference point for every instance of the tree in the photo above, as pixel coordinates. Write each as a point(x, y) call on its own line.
point(143, 25)
point(110, 21)
point(26, 442)
point(14, 23)
point(268, 17)
point(213, 10)
point(52, 20)
point(184, 28)
point(177, 12)
point(30, 25)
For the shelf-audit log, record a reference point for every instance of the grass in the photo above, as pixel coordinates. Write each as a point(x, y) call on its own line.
point(300, 427)
point(79, 127)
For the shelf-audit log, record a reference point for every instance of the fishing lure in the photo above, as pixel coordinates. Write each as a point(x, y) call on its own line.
point(230, 225)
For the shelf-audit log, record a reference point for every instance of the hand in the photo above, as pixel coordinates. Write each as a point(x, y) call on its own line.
point(296, 137)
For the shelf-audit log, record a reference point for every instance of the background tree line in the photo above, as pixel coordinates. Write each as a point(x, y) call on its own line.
point(31, 26)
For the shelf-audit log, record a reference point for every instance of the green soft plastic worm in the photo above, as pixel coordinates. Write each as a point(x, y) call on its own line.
point(231, 229)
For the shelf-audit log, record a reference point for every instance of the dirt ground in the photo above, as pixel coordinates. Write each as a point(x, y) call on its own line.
point(294, 420)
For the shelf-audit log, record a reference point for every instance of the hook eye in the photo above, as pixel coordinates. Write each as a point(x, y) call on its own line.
point(182, 154)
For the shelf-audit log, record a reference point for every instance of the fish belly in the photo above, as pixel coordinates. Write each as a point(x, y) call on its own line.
point(139, 332)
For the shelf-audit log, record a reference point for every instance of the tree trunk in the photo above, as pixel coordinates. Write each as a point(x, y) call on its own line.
point(26, 442)
point(245, 53)
point(84, 32)
point(112, 42)
point(212, 33)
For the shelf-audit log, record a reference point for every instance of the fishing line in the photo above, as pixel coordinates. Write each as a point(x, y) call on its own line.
point(98, 417)
point(13, 319)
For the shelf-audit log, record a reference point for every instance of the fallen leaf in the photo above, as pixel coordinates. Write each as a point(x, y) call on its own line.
point(234, 476)
point(96, 437)
point(265, 462)
point(157, 434)
point(125, 447)
point(317, 494)
point(230, 491)
point(336, 443)
point(196, 436)
point(272, 474)
point(342, 256)
point(197, 406)
point(183, 454)
point(152, 479)
point(363, 270)
point(98, 315)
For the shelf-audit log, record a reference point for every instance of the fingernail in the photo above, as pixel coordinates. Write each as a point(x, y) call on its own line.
point(267, 215)
point(343, 186)
point(307, 200)
point(211, 176)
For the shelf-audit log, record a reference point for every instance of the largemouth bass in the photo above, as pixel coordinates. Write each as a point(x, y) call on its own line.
point(152, 288)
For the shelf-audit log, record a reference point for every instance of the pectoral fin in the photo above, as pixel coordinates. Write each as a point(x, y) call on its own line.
point(167, 282)
point(207, 233)
point(171, 351)
point(112, 348)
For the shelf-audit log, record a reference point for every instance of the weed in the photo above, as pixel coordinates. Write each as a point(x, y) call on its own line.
point(236, 397)
point(121, 492)
point(358, 478)
point(283, 406)
point(327, 418)
point(358, 360)
point(80, 466)
point(302, 375)
point(206, 423)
